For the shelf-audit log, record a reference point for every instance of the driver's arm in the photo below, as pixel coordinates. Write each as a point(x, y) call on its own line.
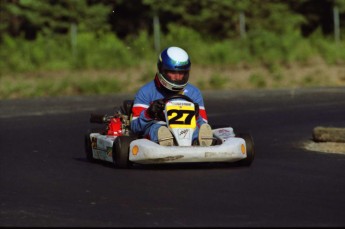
point(197, 98)
point(140, 119)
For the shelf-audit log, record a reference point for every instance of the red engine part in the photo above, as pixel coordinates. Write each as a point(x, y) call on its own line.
point(115, 127)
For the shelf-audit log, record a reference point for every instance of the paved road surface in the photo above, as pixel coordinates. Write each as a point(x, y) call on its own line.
point(46, 181)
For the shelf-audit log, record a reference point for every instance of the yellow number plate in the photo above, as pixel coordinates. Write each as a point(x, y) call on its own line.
point(181, 115)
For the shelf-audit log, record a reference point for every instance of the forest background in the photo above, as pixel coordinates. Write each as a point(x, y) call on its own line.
point(83, 47)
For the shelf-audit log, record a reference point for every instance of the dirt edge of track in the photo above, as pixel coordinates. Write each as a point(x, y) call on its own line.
point(327, 140)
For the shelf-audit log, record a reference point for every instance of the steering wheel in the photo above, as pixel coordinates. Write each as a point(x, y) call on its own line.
point(178, 96)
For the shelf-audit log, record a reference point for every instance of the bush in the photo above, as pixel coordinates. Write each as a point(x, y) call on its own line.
point(257, 80)
point(141, 47)
point(106, 51)
point(217, 81)
point(328, 49)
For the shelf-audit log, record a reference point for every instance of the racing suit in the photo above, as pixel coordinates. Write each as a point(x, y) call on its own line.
point(141, 122)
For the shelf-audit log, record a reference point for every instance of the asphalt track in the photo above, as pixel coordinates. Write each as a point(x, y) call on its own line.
point(46, 181)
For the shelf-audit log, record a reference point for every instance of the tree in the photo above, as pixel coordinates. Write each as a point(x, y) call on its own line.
point(317, 14)
point(29, 17)
point(212, 18)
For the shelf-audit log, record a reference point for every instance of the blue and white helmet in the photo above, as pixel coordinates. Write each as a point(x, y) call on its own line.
point(173, 59)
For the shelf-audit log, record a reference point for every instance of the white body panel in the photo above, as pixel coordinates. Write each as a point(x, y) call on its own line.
point(224, 133)
point(102, 146)
point(232, 149)
point(183, 136)
point(152, 153)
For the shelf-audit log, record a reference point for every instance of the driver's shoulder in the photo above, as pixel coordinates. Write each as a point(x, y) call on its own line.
point(148, 86)
point(191, 89)
point(146, 89)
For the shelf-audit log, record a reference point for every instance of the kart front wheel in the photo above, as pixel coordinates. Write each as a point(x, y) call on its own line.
point(121, 151)
point(250, 149)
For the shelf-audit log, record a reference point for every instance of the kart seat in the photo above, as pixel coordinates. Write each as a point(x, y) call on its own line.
point(127, 107)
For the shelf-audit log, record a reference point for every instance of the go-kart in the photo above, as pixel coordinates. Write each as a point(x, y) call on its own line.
point(118, 145)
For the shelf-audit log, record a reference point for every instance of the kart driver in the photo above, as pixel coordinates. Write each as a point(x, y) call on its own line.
point(172, 78)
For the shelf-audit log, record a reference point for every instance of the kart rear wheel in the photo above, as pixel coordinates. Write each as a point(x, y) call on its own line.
point(121, 151)
point(88, 148)
point(250, 149)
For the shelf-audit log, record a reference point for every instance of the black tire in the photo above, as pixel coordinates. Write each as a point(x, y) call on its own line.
point(121, 151)
point(250, 149)
point(88, 148)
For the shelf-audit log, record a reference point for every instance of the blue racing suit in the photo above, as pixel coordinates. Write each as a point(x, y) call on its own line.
point(141, 122)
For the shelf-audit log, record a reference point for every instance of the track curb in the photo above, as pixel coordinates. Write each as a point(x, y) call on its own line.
point(327, 140)
point(329, 134)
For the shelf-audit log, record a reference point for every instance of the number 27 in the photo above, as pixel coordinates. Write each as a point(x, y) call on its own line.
point(179, 114)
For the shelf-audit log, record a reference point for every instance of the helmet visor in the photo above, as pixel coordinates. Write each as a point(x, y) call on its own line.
point(176, 77)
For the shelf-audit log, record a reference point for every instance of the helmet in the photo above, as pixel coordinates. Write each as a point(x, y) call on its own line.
point(173, 59)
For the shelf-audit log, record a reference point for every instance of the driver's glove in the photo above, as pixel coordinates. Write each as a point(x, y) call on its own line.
point(155, 110)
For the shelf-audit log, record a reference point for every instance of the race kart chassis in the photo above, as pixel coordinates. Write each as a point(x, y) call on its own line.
point(116, 144)
point(143, 151)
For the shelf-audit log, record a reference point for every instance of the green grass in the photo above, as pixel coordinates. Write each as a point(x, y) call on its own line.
point(105, 64)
